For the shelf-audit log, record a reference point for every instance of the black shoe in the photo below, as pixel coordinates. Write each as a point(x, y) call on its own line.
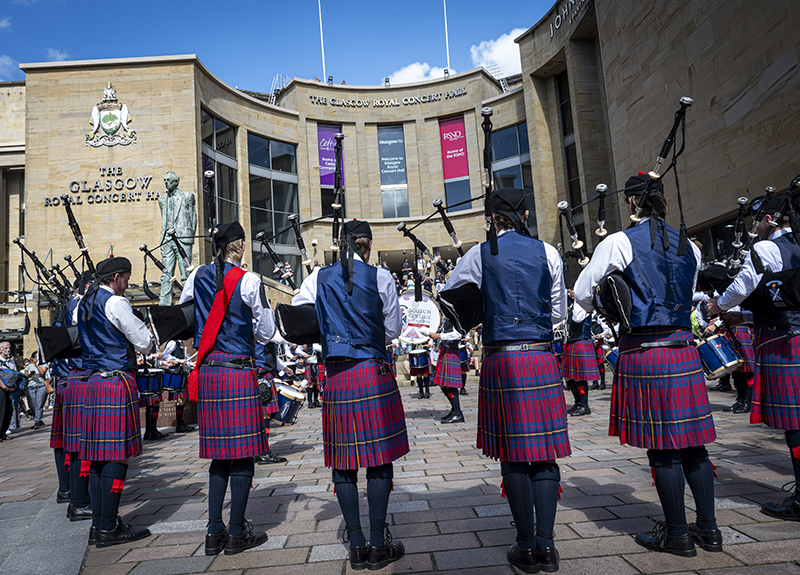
point(523, 559)
point(38, 425)
point(421, 395)
point(789, 510)
point(659, 540)
point(708, 539)
point(427, 395)
point(92, 535)
point(78, 513)
point(311, 405)
point(120, 534)
point(215, 542)
point(736, 405)
point(63, 497)
point(448, 416)
point(722, 387)
point(581, 410)
point(380, 557)
point(603, 385)
point(454, 418)
point(548, 559)
point(477, 373)
point(572, 409)
point(183, 428)
point(594, 386)
point(269, 457)
point(247, 540)
point(463, 391)
point(358, 557)
point(745, 408)
point(156, 435)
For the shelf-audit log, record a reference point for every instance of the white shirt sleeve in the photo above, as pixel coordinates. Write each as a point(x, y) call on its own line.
point(469, 269)
point(250, 287)
point(614, 253)
point(188, 287)
point(579, 314)
point(558, 292)
point(120, 313)
point(747, 279)
point(392, 320)
point(308, 289)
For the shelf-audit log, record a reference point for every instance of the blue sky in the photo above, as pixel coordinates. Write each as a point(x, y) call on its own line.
point(247, 42)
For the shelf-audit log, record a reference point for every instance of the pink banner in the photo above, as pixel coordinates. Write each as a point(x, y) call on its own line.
point(454, 148)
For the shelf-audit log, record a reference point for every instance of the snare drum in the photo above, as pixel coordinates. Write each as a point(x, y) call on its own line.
point(418, 362)
point(150, 381)
point(558, 348)
point(464, 355)
point(175, 379)
point(611, 357)
point(718, 357)
point(289, 403)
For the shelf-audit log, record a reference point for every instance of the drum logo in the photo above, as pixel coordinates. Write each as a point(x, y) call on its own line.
point(110, 119)
point(775, 293)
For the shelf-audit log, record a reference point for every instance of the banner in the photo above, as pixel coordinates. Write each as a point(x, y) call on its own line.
point(327, 155)
point(392, 155)
point(454, 148)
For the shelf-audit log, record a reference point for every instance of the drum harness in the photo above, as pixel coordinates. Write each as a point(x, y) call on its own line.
point(791, 334)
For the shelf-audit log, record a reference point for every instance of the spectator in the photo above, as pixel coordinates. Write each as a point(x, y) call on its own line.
point(450, 265)
point(36, 391)
point(410, 281)
point(427, 284)
point(9, 380)
point(406, 268)
point(385, 266)
point(440, 281)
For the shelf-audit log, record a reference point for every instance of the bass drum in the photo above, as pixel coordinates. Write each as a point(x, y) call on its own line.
point(417, 315)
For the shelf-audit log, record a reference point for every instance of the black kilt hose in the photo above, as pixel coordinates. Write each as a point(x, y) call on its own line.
point(363, 422)
point(522, 414)
point(659, 400)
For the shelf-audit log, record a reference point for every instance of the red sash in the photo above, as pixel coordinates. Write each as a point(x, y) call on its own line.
point(211, 328)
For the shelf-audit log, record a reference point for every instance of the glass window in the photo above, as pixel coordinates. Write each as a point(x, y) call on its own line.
point(457, 192)
point(260, 195)
point(226, 183)
point(564, 103)
point(207, 128)
point(522, 130)
point(573, 175)
point(283, 157)
point(258, 150)
point(504, 143)
point(508, 178)
point(395, 202)
point(281, 223)
point(285, 196)
point(392, 156)
point(224, 138)
point(530, 201)
point(326, 197)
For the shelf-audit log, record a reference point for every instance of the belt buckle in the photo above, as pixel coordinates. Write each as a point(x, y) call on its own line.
point(383, 369)
point(525, 347)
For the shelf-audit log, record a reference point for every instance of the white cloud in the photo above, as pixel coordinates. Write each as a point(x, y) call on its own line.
point(5, 23)
point(417, 72)
point(504, 52)
point(9, 68)
point(56, 55)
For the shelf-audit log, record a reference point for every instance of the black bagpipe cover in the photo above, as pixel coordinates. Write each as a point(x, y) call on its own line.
point(298, 323)
point(172, 321)
point(713, 278)
point(777, 291)
point(612, 299)
point(463, 306)
point(58, 342)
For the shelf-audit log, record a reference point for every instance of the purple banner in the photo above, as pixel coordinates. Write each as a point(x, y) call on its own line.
point(327, 155)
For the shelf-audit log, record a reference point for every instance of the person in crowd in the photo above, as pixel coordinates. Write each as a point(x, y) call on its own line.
point(9, 380)
point(36, 392)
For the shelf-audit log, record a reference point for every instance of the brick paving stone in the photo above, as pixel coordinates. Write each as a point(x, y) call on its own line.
point(464, 558)
point(653, 562)
point(260, 559)
point(598, 566)
point(328, 568)
point(612, 527)
point(771, 531)
point(160, 552)
point(779, 569)
point(172, 566)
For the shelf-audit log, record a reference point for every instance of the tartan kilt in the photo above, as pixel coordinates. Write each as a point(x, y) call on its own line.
point(580, 361)
point(111, 425)
point(150, 400)
point(229, 411)
point(320, 373)
point(776, 391)
point(745, 337)
point(659, 399)
point(522, 415)
point(57, 424)
point(268, 409)
point(74, 399)
point(177, 395)
point(363, 422)
point(448, 369)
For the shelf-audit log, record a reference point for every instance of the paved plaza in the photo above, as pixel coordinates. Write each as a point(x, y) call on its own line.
point(446, 506)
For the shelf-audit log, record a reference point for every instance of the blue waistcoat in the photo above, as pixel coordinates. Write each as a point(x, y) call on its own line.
point(103, 346)
point(266, 357)
point(516, 287)
point(235, 335)
point(75, 362)
point(662, 284)
point(790, 254)
point(351, 325)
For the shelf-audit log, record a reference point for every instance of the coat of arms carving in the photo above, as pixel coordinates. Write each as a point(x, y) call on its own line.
point(110, 120)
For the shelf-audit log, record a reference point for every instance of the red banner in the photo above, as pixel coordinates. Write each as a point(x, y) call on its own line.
point(454, 148)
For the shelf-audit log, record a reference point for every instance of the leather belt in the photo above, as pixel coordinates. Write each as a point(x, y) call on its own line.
point(669, 343)
point(230, 364)
point(546, 346)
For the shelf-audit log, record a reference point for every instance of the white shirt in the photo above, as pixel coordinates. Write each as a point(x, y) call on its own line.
point(386, 288)
point(250, 287)
point(119, 312)
point(747, 279)
point(613, 254)
point(470, 270)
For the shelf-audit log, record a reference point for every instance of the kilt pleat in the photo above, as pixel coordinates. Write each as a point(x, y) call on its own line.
point(150, 399)
point(111, 425)
point(522, 415)
point(177, 395)
point(580, 361)
point(745, 337)
point(776, 391)
point(659, 400)
point(74, 399)
point(448, 369)
point(229, 411)
point(363, 422)
point(57, 424)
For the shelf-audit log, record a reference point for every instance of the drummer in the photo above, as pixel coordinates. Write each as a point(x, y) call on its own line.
point(267, 365)
point(174, 356)
point(151, 402)
point(741, 338)
point(448, 369)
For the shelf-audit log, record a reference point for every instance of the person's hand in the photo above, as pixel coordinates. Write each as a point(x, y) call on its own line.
point(712, 308)
point(733, 318)
point(288, 371)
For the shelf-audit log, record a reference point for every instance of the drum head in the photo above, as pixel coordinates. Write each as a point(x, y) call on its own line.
point(149, 372)
point(418, 352)
point(417, 315)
